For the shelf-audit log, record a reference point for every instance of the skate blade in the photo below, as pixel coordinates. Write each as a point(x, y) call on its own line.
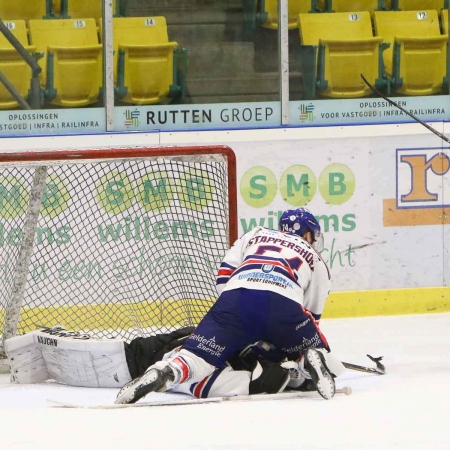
point(325, 384)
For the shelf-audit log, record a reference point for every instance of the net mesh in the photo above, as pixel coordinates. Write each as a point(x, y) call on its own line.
point(122, 248)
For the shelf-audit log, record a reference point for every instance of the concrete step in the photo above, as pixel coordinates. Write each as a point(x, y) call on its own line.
point(183, 4)
point(241, 85)
point(234, 85)
point(244, 98)
point(188, 12)
point(188, 34)
point(232, 99)
point(192, 17)
point(216, 60)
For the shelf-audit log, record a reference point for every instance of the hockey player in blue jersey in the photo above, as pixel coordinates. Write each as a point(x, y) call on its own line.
point(272, 287)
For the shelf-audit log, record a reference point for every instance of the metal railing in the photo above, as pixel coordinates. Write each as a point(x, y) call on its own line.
point(34, 97)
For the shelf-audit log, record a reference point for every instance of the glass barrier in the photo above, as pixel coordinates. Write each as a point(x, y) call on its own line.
point(355, 53)
point(204, 64)
point(51, 67)
point(215, 66)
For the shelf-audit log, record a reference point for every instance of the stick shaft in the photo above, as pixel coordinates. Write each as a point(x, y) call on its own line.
point(193, 401)
point(428, 127)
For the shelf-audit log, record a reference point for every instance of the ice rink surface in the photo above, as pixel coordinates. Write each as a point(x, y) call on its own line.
point(408, 408)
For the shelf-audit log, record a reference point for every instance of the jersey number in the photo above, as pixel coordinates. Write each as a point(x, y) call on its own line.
point(294, 263)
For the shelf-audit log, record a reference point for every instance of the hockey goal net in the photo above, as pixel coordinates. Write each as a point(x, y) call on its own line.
point(113, 242)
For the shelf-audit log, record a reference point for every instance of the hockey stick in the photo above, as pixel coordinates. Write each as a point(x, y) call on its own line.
point(379, 370)
point(347, 390)
point(428, 127)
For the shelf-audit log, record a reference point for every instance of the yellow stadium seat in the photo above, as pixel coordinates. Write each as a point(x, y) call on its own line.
point(269, 12)
point(335, 50)
point(80, 9)
point(25, 9)
point(13, 66)
point(356, 5)
point(72, 66)
point(416, 60)
point(148, 68)
point(418, 5)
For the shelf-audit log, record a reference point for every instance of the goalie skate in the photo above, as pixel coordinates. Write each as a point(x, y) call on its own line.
point(321, 376)
point(153, 380)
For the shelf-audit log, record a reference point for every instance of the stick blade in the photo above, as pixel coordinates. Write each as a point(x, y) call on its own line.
point(377, 362)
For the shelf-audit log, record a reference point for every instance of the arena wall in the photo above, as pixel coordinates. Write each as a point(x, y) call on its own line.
point(381, 193)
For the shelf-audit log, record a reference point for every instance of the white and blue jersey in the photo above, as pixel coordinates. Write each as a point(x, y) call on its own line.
point(270, 260)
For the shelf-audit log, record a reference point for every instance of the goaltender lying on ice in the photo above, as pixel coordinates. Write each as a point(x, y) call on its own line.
point(76, 359)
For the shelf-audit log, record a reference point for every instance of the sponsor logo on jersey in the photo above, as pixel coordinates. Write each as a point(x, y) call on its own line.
point(207, 345)
point(314, 342)
point(302, 324)
point(266, 278)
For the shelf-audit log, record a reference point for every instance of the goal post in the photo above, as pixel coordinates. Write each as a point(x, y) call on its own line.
point(121, 242)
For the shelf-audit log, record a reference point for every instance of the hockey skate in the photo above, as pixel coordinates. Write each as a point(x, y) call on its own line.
point(315, 365)
point(153, 380)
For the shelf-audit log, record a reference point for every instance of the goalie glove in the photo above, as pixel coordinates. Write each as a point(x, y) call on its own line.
point(259, 351)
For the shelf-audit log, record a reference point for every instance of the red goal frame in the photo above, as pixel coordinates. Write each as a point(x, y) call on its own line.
point(141, 152)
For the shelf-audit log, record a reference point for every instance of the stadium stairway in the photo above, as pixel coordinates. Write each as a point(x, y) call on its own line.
point(223, 64)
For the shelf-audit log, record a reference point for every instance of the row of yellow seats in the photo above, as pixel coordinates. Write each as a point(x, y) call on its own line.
point(407, 54)
point(72, 60)
point(269, 8)
point(48, 9)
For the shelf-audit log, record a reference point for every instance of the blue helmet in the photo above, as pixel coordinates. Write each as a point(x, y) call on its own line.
point(299, 221)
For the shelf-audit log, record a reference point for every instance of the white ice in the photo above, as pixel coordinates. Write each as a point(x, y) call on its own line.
point(408, 408)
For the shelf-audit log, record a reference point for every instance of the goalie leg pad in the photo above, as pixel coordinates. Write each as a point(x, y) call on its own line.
point(25, 360)
point(68, 359)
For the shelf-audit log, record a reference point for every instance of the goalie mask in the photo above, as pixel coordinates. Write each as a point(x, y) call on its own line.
point(299, 221)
